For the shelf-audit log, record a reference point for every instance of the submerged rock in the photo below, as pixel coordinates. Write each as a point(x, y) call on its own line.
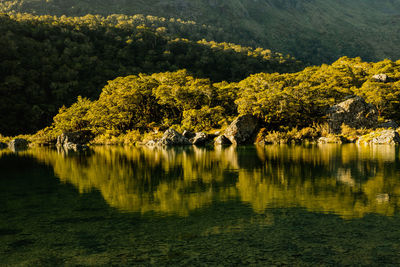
point(18, 144)
point(74, 140)
point(384, 137)
point(354, 112)
point(222, 140)
point(173, 138)
point(242, 130)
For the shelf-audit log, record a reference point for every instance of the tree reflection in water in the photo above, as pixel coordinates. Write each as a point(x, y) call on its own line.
point(347, 180)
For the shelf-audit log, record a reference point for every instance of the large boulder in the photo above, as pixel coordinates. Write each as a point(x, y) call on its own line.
point(18, 144)
point(173, 138)
point(74, 140)
point(384, 137)
point(242, 130)
point(354, 112)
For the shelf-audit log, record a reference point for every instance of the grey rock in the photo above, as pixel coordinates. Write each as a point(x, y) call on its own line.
point(74, 140)
point(201, 139)
point(381, 78)
point(242, 130)
point(188, 134)
point(222, 140)
point(354, 112)
point(173, 138)
point(152, 143)
point(388, 124)
point(384, 137)
point(18, 144)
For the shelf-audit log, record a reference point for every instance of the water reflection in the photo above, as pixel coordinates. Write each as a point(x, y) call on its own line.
point(347, 180)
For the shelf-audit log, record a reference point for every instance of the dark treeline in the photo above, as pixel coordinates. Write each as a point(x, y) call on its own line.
point(46, 62)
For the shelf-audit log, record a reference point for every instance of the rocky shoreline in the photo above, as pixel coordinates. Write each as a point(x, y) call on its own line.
point(353, 113)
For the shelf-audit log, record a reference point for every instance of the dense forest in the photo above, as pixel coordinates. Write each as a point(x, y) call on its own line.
point(46, 62)
point(137, 104)
point(314, 31)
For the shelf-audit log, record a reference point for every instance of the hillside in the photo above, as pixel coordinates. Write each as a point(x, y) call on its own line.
point(46, 62)
point(314, 31)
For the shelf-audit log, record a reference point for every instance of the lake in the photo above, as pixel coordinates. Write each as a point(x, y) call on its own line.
point(256, 205)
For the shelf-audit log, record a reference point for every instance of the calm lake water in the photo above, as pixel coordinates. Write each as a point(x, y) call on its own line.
point(272, 205)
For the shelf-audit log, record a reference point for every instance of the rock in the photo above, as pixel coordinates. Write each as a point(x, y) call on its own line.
point(334, 139)
point(384, 137)
point(188, 134)
point(3, 145)
point(152, 143)
point(201, 139)
point(173, 138)
point(74, 140)
point(18, 144)
point(388, 124)
point(242, 130)
point(222, 140)
point(354, 112)
point(381, 78)
point(382, 198)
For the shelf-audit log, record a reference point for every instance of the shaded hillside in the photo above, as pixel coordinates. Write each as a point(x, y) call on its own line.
point(46, 62)
point(315, 31)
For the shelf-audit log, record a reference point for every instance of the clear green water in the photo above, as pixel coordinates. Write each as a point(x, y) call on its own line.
point(274, 205)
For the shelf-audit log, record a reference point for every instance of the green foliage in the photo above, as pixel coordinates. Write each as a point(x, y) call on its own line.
point(73, 118)
point(46, 61)
point(204, 119)
point(301, 99)
point(293, 106)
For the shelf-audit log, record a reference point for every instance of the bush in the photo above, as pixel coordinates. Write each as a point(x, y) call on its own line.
point(204, 119)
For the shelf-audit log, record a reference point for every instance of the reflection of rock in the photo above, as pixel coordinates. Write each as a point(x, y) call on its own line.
point(334, 139)
point(18, 144)
point(74, 140)
point(242, 130)
point(382, 198)
point(384, 137)
point(344, 176)
point(354, 112)
point(173, 138)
